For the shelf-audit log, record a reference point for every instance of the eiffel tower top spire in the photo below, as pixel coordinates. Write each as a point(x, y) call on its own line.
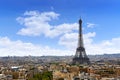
point(80, 21)
point(80, 26)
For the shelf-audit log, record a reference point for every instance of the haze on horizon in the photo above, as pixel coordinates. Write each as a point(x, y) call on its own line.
point(50, 27)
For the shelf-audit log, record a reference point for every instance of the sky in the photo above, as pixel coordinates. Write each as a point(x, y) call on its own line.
point(50, 27)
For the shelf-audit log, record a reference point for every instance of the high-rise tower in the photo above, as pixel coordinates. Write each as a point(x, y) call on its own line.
point(80, 56)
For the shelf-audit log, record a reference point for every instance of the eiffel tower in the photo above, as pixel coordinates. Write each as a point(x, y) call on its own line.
point(80, 56)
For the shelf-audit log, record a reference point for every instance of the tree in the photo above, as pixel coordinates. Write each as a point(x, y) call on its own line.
point(61, 79)
point(47, 75)
point(15, 75)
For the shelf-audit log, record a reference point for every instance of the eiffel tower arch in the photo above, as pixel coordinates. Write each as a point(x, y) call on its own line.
point(80, 56)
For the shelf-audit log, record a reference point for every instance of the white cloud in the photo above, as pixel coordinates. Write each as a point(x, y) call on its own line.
point(91, 25)
point(62, 29)
point(19, 48)
point(70, 40)
point(37, 23)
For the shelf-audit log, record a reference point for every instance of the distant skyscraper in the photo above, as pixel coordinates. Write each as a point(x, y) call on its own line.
point(80, 56)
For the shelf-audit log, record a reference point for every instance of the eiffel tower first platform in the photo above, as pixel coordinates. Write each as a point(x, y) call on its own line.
point(80, 56)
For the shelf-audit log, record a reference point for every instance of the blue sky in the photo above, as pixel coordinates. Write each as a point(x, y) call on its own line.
point(49, 27)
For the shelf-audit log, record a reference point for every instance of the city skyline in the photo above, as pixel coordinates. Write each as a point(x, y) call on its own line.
point(50, 27)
